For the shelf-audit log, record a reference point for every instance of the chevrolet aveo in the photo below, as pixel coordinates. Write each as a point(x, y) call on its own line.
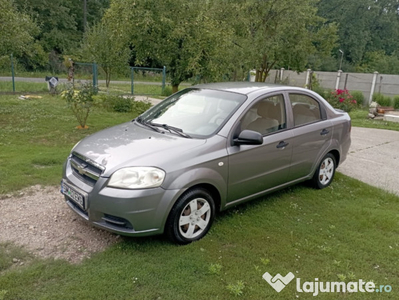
point(200, 151)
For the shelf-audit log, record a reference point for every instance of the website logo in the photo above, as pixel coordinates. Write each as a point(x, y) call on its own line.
point(315, 287)
point(278, 282)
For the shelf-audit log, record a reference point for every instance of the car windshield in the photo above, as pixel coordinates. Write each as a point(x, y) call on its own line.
point(196, 112)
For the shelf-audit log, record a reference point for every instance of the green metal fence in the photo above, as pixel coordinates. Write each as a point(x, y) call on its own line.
point(134, 70)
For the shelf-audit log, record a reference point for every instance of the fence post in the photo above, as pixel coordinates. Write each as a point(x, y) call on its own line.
point(373, 86)
point(131, 80)
point(95, 76)
point(163, 79)
point(12, 74)
point(282, 74)
point(346, 80)
point(307, 78)
point(338, 79)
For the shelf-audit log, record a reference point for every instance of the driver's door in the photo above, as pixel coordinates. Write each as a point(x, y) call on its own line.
point(256, 168)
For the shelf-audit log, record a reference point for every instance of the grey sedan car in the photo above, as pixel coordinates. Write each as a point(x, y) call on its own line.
point(202, 150)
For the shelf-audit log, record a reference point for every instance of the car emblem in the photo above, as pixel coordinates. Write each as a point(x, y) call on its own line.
point(82, 169)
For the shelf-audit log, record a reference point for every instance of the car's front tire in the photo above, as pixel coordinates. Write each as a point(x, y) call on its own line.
point(325, 172)
point(191, 217)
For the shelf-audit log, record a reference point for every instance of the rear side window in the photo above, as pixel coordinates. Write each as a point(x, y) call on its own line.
point(305, 109)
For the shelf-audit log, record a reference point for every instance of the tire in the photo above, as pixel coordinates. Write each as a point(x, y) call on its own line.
point(191, 217)
point(324, 174)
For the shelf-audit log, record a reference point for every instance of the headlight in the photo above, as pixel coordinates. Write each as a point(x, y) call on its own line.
point(137, 178)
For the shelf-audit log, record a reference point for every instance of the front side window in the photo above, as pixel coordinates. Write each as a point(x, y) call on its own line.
point(265, 116)
point(305, 109)
point(197, 112)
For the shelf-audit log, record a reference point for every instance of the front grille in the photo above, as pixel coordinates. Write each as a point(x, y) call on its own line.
point(85, 169)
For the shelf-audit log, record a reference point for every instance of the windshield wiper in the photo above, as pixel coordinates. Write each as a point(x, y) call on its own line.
point(171, 129)
point(148, 124)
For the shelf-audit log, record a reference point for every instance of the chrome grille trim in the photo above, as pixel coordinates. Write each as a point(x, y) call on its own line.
point(85, 169)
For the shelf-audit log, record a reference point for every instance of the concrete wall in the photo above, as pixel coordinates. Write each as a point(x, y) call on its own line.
point(385, 84)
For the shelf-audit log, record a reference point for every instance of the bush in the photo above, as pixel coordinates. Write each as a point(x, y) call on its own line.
point(118, 103)
point(79, 98)
point(167, 91)
point(396, 102)
point(342, 99)
point(321, 91)
point(382, 100)
point(359, 97)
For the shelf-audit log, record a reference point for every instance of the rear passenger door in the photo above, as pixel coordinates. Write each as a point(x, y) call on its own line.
point(312, 134)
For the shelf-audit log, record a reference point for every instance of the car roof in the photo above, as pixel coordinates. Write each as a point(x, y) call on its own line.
point(242, 87)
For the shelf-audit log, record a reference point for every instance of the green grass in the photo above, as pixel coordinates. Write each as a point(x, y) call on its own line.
point(37, 135)
point(22, 87)
point(360, 119)
point(122, 88)
point(139, 89)
point(348, 230)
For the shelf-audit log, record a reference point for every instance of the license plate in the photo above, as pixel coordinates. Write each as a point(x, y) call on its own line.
point(72, 194)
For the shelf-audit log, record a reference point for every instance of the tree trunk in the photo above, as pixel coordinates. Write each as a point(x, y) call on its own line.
point(175, 88)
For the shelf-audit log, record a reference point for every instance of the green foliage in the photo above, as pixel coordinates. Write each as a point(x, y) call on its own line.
point(167, 91)
point(367, 32)
point(281, 34)
point(382, 100)
point(236, 289)
point(358, 96)
point(18, 32)
point(215, 268)
point(107, 48)
point(80, 100)
point(118, 103)
point(396, 102)
point(342, 99)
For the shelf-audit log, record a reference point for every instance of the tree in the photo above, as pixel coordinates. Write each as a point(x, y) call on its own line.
point(17, 34)
point(364, 26)
point(106, 48)
point(178, 34)
point(281, 33)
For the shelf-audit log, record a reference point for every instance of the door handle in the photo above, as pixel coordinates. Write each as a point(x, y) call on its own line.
point(324, 132)
point(282, 145)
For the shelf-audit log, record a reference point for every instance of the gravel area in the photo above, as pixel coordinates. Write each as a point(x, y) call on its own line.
point(38, 219)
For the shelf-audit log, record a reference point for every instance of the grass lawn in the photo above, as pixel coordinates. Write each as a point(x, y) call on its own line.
point(346, 232)
point(37, 135)
point(115, 87)
point(359, 119)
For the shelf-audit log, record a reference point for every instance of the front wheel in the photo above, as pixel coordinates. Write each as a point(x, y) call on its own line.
point(191, 217)
point(325, 172)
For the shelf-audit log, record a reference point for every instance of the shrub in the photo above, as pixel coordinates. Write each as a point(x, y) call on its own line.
point(396, 102)
point(140, 106)
point(342, 99)
point(167, 91)
point(118, 103)
point(79, 98)
point(359, 97)
point(321, 91)
point(382, 100)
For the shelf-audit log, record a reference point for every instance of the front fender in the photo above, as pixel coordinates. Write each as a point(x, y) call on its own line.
point(195, 177)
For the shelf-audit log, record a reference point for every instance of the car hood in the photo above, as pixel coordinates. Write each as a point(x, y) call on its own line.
point(130, 144)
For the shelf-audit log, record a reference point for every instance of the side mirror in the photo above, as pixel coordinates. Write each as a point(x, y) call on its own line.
point(249, 137)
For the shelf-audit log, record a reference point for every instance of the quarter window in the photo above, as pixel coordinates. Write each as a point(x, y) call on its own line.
point(305, 109)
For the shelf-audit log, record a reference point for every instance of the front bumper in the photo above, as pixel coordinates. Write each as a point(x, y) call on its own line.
point(126, 212)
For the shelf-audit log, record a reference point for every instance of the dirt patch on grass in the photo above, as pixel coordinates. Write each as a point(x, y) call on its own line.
point(38, 219)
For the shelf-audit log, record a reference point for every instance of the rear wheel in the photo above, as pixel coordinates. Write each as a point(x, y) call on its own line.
point(325, 172)
point(191, 217)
